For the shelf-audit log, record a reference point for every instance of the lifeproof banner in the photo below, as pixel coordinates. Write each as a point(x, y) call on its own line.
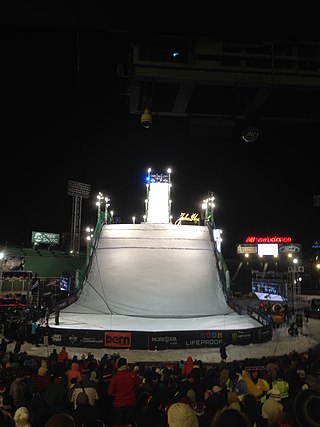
point(185, 339)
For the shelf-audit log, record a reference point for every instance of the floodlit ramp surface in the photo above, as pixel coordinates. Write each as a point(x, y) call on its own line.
point(153, 270)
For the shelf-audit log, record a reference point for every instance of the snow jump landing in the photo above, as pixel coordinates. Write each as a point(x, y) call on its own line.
point(154, 286)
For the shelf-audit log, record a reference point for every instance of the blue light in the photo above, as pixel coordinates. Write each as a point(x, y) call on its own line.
point(147, 178)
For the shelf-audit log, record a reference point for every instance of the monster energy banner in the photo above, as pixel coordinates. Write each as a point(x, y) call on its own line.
point(248, 336)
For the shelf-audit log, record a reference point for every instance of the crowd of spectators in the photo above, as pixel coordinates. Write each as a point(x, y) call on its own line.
point(65, 390)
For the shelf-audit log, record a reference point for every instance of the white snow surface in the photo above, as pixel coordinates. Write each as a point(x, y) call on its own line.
point(143, 272)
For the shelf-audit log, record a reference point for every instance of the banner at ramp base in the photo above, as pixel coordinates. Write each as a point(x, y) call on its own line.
point(169, 340)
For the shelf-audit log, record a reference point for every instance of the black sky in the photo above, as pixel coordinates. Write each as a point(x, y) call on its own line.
point(65, 120)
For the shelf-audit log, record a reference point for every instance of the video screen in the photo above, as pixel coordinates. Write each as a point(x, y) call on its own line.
point(270, 297)
point(64, 283)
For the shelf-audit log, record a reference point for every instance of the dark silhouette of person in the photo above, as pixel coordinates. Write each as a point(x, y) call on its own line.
point(56, 315)
point(223, 351)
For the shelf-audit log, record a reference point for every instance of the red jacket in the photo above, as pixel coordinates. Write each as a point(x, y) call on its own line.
point(63, 356)
point(122, 388)
point(188, 366)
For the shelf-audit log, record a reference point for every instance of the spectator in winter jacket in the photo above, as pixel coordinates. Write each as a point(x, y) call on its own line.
point(63, 356)
point(18, 390)
point(84, 412)
point(122, 388)
point(187, 367)
point(236, 384)
point(87, 386)
point(73, 372)
point(55, 395)
point(256, 385)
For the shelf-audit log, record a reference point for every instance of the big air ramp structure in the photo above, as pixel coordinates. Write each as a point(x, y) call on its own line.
point(154, 285)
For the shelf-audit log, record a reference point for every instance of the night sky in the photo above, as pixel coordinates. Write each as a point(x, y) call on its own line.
point(67, 120)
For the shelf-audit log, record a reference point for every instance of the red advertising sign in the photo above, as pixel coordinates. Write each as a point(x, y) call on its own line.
point(117, 339)
point(268, 239)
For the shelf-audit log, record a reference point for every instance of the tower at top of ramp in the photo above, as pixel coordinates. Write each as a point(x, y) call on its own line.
point(158, 203)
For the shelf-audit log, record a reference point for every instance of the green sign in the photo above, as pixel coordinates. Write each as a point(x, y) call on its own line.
point(44, 237)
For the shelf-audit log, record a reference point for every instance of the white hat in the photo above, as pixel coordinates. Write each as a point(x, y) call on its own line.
point(181, 414)
point(275, 394)
point(271, 410)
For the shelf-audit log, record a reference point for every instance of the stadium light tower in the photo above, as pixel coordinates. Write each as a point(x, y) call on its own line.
point(79, 191)
point(98, 204)
point(208, 206)
point(89, 236)
point(169, 194)
point(1, 268)
point(107, 204)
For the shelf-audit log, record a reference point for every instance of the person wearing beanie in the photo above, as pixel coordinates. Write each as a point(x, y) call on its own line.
point(41, 380)
point(44, 367)
point(21, 417)
point(122, 389)
point(42, 371)
point(182, 415)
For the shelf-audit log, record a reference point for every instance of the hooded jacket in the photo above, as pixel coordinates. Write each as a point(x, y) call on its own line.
point(122, 387)
point(74, 372)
